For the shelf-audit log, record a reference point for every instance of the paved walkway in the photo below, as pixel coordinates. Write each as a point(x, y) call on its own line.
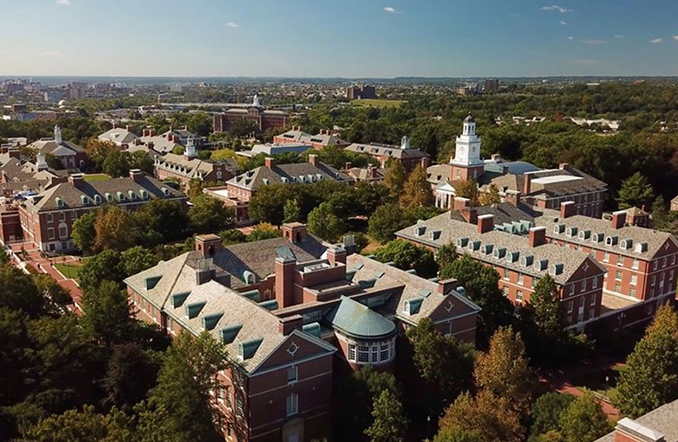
point(44, 265)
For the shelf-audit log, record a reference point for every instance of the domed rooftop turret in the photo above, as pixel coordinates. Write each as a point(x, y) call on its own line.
point(469, 119)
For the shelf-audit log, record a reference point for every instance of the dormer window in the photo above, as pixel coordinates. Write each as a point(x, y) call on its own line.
point(500, 252)
point(487, 249)
point(512, 256)
point(526, 261)
point(626, 244)
point(165, 191)
point(611, 240)
point(462, 242)
point(572, 231)
point(97, 199)
point(556, 269)
point(474, 245)
point(143, 193)
point(641, 247)
point(558, 229)
point(419, 230)
point(121, 196)
point(59, 202)
point(597, 237)
point(541, 265)
point(109, 197)
point(132, 196)
point(584, 234)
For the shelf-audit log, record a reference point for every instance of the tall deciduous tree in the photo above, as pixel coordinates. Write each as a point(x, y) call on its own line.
point(387, 220)
point(549, 314)
point(84, 234)
point(635, 191)
point(504, 371)
point(180, 407)
point(263, 231)
point(167, 218)
point(292, 211)
point(107, 315)
point(584, 420)
point(209, 215)
point(468, 189)
point(406, 256)
point(417, 190)
point(389, 423)
point(324, 223)
point(115, 230)
point(446, 255)
point(546, 413)
point(490, 197)
point(130, 375)
point(137, 259)
point(395, 178)
point(651, 377)
point(106, 266)
point(98, 150)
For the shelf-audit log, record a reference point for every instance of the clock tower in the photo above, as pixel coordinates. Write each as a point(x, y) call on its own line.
point(467, 163)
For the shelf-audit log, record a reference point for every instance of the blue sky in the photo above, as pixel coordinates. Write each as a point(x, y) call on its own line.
point(349, 38)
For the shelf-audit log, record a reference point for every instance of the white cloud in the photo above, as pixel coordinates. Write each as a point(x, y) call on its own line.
point(556, 8)
point(570, 38)
point(657, 41)
point(63, 2)
point(564, 23)
point(619, 36)
point(391, 10)
point(594, 42)
point(230, 24)
point(675, 37)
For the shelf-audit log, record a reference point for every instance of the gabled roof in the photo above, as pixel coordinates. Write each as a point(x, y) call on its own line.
point(662, 421)
point(387, 150)
point(290, 173)
point(358, 321)
point(119, 136)
point(51, 146)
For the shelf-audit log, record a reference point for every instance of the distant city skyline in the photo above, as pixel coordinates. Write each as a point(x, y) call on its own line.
point(349, 39)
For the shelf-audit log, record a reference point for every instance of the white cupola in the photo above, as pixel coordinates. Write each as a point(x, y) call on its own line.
point(255, 101)
point(41, 162)
point(191, 151)
point(57, 135)
point(467, 152)
point(405, 142)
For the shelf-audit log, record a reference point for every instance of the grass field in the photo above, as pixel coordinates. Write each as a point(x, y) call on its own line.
point(96, 177)
point(69, 270)
point(377, 103)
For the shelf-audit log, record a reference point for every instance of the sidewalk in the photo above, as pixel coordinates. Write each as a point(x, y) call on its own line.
point(44, 265)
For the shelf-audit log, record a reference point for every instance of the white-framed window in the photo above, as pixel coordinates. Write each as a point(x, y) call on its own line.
point(573, 289)
point(634, 280)
point(371, 353)
point(240, 404)
point(664, 262)
point(632, 293)
point(505, 290)
point(673, 259)
point(63, 231)
point(653, 280)
point(449, 328)
point(363, 353)
point(351, 352)
point(592, 312)
point(618, 275)
point(606, 257)
point(570, 306)
point(583, 286)
point(594, 283)
point(292, 374)
point(520, 278)
point(292, 406)
point(594, 298)
point(62, 216)
point(74, 215)
point(50, 218)
point(507, 274)
point(519, 297)
point(635, 265)
point(655, 263)
point(50, 233)
point(617, 288)
point(672, 273)
point(385, 351)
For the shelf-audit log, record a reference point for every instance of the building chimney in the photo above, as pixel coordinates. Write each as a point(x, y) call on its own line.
point(628, 430)
point(567, 209)
point(424, 163)
point(470, 214)
point(527, 183)
point(208, 245)
point(77, 180)
point(289, 324)
point(136, 174)
point(372, 171)
point(269, 162)
point(446, 286)
point(460, 203)
point(295, 232)
point(284, 281)
point(564, 166)
point(128, 128)
point(537, 236)
point(335, 255)
point(151, 132)
point(485, 223)
point(347, 166)
point(618, 219)
point(13, 152)
point(496, 157)
point(313, 159)
point(513, 197)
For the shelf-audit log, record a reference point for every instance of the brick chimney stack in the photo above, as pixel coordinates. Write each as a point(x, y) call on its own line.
point(470, 214)
point(289, 324)
point(537, 236)
point(335, 255)
point(77, 180)
point(618, 219)
point(485, 223)
point(527, 184)
point(137, 175)
point(514, 197)
point(628, 430)
point(567, 209)
point(269, 162)
point(208, 245)
point(446, 286)
point(460, 203)
point(313, 159)
point(284, 281)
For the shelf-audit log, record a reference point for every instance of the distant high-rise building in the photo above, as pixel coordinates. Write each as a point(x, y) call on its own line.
point(491, 85)
point(361, 92)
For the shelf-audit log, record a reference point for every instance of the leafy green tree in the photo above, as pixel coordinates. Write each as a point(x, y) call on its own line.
point(584, 420)
point(417, 191)
point(395, 178)
point(406, 256)
point(456, 435)
point(52, 290)
point(141, 160)
point(180, 407)
point(469, 190)
point(490, 197)
point(168, 218)
point(209, 215)
point(137, 259)
point(131, 373)
point(650, 379)
point(387, 220)
point(117, 164)
point(324, 223)
point(19, 292)
point(84, 426)
point(546, 413)
point(292, 211)
point(106, 266)
point(14, 359)
point(263, 231)
point(635, 191)
point(232, 236)
point(268, 203)
point(106, 312)
point(98, 151)
point(504, 370)
point(446, 255)
point(490, 418)
point(389, 423)
point(115, 230)
point(84, 234)
point(548, 308)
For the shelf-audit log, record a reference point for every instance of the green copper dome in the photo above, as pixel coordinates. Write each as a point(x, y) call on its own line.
point(358, 321)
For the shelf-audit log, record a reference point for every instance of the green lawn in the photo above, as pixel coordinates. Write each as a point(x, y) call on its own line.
point(603, 383)
point(69, 270)
point(377, 103)
point(96, 177)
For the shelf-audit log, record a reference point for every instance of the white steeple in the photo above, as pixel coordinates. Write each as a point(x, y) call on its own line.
point(57, 135)
point(41, 162)
point(190, 152)
point(255, 101)
point(404, 143)
point(467, 152)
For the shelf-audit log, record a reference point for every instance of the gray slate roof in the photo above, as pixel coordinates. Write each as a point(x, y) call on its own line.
point(664, 420)
point(450, 231)
point(387, 150)
point(52, 147)
point(290, 173)
point(655, 239)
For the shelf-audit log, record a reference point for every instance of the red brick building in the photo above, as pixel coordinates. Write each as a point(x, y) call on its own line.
point(409, 157)
point(318, 142)
point(361, 92)
point(263, 118)
point(283, 308)
point(187, 167)
point(47, 218)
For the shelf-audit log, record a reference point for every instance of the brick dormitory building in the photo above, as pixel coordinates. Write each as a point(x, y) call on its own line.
point(262, 118)
point(605, 270)
point(291, 312)
point(47, 218)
